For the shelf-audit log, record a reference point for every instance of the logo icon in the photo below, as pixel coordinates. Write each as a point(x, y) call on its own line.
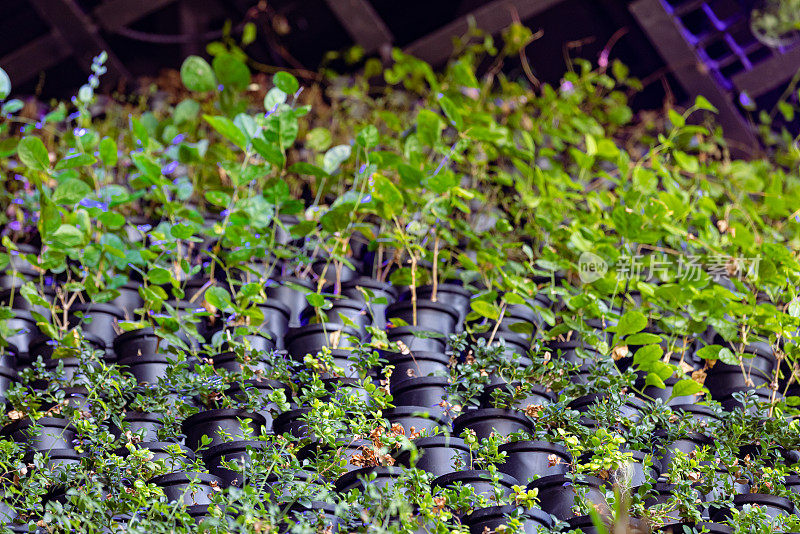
point(591, 267)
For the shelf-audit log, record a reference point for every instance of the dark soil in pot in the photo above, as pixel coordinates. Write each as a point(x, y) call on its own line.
point(520, 396)
point(416, 420)
point(416, 364)
point(573, 351)
point(379, 290)
point(427, 391)
point(145, 425)
point(478, 480)
point(293, 299)
point(385, 477)
point(99, 319)
point(276, 319)
point(311, 338)
point(438, 455)
point(417, 339)
point(342, 311)
point(557, 494)
point(189, 488)
point(528, 459)
point(47, 433)
point(488, 421)
point(238, 452)
point(494, 517)
point(433, 316)
point(221, 425)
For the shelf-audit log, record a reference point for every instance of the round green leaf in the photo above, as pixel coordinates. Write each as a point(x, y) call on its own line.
point(5, 84)
point(231, 71)
point(197, 75)
point(33, 153)
point(286, 82)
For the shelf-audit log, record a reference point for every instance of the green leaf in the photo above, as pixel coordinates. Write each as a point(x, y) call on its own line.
point(75, 160)
point(218, 297)
point(112, 220)
point(451, 111)
point(429, 127)
point(231, 71)
point(642, 338)
point(702, 102)
point(218, 198)
point(709, 352)
point(270, 152)
point(5, 85)
point(248, 33)
point(687, 386)
point(286, 82)
point(654, 380)
point(728, 357)
point(646, 357)
point(33, 153)
point(335, 157)
point(274, 98)
point(108, 152)
point(197, 74)
point(368, 137)
point(68, 235)
point(301, 167)
point(228, 129)
point(71, 191)
point(159, 276)
point(485, 309)
point(186, 111)
point(384, 190)
point(319, 139)
point(631, 322)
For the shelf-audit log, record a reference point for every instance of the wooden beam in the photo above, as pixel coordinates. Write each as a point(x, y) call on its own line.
point(769, 74)
point(114, 14)
point(436, 47)
point(362, 23)
point(78, 31)
point(40, 54)
point(662, 30)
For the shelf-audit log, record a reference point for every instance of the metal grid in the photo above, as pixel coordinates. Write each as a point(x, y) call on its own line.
point(719, 32)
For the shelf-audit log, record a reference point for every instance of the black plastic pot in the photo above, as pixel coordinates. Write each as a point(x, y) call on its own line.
point(321, 515)
point(220, 425)
point(480, 481)
point(516, 347)
point(453, 295)
point(416, 364)
point(421, 419)
point(311, 338)
point(25, 331)
point(46, 348)
point(292, 486)
point(557, 494)
point(176, 457)
point(292, 423)
point(230, 362)
point(534, 395)
point(145, 425)
point(494, 517)
point(138, 343)
point(292, 298)
point(652, 393)
point(379, 290)
point(52, 433)
point(576, 352)
point(129, 299)
point(427, 391)
point(342, 311)
point(683, 528)
point(488, 421)
point(528, 459)
point(233, 452)
point(773, 505)
point(686, 444)
point(189, 488)
point(385, 477)
point(147, 369)
point(433, 316)
point(417, 339)
point(327, 270)
point(344, 360)
point(261, 341)
point(57, 458)
point(99, 319)
point(438, 455)
point(276, 319)
point(13, 299)
point(8, 377)
point(704, 414)
point(756, 355)
point(259, 391)
point(338, 388)
point(721, 383)
point(8, 356)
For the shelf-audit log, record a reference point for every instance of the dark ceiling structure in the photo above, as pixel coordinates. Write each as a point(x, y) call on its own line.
point(679, 48)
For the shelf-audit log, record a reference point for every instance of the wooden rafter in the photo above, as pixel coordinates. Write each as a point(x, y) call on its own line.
point(114, 14)
point(436, 48)
point(26, 62)
point(362, 23)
